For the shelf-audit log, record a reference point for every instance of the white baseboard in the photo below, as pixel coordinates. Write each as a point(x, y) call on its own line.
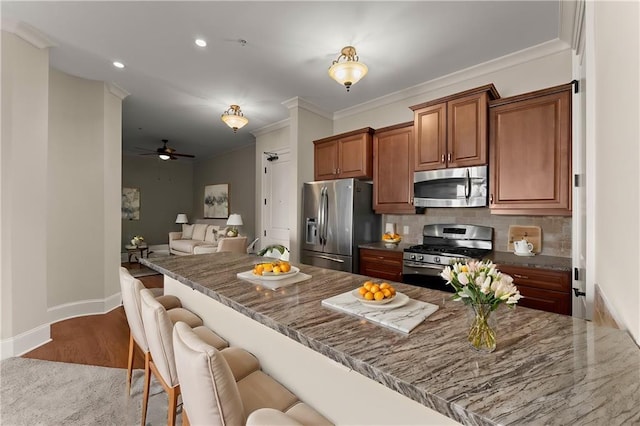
point(25, 342)
point(29, 340)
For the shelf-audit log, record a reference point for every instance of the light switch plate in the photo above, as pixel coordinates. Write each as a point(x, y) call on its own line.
point(533, 234)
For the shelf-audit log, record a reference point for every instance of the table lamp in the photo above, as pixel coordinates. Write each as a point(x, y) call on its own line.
point(234, 221)
point(182, 218)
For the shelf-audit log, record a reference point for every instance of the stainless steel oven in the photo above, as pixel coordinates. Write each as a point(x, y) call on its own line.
point(457, 187)
point(441, 245)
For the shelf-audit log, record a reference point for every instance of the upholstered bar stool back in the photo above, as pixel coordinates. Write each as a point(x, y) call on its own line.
point(158, 329)
point(227, 387)
point(130, 291)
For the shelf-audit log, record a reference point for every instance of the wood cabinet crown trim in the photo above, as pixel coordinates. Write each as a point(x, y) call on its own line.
point(394, 127)
point(489, 88)
point(531, 95)
point(368, 130)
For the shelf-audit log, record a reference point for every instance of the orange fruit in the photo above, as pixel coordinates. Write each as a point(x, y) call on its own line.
point(379, 295)
point(374, 288)
point(268, 267)
point(368, 295)
point(285, 267)
point(368, 285)
point(386, 292)
point(362, 291)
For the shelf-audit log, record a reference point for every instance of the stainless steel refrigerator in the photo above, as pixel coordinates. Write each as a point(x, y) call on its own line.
point(337, 216)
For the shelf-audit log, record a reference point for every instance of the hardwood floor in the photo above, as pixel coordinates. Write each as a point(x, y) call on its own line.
point(101, 340)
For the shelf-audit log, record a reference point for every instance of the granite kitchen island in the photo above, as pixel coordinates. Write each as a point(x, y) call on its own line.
point(547, 368)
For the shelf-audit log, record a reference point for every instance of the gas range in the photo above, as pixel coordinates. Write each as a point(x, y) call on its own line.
point(443, 244)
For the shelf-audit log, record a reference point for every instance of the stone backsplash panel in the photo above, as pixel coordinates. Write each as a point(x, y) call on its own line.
point(556, 230)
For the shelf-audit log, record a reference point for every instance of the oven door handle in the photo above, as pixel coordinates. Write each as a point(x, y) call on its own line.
point(423, 266)
point(467, 186)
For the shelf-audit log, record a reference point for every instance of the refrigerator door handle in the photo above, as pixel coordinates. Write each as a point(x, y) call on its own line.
point(324, 256)
point(325, 216)
point(321, 216)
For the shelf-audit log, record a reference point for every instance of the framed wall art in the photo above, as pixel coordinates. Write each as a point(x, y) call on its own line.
point(216, 201)
point(131, 203)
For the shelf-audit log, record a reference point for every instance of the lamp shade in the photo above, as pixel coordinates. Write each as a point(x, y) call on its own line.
point(347, 69)
point(234, 118)
point(234, 220)
point(182, 218)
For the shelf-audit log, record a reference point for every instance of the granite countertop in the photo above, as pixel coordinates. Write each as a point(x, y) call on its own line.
point(547, 368)
point(537, 261)
point(382, 246)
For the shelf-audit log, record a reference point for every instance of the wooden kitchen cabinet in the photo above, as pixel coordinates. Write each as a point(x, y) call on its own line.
point(543, 289)
point(393, 169)
point(530, 160)
point(384, 264)
point(453, 131)
point(348, 155)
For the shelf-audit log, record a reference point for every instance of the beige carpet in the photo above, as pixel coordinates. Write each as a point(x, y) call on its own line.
point(35, 392)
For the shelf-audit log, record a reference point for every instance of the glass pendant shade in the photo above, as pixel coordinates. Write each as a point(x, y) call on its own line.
point(164, 156)
point(234, 118)
point(350, 71)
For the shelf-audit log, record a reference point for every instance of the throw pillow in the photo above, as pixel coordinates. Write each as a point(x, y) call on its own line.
point(187, 232)
point(198, 231)
point(211, 236)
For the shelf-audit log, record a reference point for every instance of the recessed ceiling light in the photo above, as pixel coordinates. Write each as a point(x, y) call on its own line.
point(200, 42)
point(118, 64)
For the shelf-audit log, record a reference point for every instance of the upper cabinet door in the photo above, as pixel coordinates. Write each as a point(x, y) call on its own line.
point(326, 160)
point(467, 131)
point(430, 127)
point(530, 153)
point(355, 156)
point(393, 169)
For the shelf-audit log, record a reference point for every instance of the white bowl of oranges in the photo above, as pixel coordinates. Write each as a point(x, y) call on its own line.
point(276, 269)
point(391, 239)
point(375, 293)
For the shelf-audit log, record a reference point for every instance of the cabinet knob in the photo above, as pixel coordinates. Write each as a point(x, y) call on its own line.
point(491, 198)
point(523, 277)
point(442, 159)
point(449, 157)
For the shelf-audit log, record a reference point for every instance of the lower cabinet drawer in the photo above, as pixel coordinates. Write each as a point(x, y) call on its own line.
point(381, 264)
point(543, 289)
point(545, 300)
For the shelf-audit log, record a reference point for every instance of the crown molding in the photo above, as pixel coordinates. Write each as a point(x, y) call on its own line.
point(298, 102)
point(28, 34)
point(117, 90)
point(271, 127)
point(526, 55)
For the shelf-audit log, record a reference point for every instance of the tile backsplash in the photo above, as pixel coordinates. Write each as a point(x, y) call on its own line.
point(556, 230)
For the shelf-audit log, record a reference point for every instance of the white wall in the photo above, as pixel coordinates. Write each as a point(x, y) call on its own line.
point(61, 143)
point(617, 157)
point(76, 216)
point(23, 291)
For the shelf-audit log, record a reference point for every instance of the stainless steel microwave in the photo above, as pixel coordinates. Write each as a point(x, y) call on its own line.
point(459, 187)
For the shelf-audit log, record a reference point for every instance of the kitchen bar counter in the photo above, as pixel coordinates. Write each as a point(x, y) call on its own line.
point(547, 368)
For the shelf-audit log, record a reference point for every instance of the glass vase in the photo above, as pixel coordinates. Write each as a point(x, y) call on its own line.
point(482, 325)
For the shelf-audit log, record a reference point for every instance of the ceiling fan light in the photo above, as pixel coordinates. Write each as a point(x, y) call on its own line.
point(350, 71)
point(164, 156)
point(234, 118)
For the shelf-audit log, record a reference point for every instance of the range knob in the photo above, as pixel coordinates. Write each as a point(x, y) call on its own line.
point(412, 257)
point(436, 259)
point(420, 257)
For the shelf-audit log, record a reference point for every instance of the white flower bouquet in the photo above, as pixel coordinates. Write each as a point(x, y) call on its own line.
point(480, 282)
point(480, 285)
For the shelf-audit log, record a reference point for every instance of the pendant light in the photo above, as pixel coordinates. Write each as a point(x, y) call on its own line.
point(349, 71)
point(234, 118)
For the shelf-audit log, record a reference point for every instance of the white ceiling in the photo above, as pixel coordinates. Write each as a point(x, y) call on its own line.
point(178, 91)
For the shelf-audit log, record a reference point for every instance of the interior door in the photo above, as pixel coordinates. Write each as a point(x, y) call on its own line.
point(275, 206)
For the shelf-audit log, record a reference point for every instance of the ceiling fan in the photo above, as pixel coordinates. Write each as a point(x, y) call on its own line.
point(167, 153)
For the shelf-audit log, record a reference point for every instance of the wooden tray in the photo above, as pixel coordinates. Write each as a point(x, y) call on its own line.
point(533, 234)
